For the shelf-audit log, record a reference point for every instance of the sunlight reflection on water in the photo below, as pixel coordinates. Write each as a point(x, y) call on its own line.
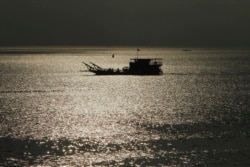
point(52, 114)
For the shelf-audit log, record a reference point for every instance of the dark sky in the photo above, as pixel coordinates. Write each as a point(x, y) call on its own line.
point(125, 22)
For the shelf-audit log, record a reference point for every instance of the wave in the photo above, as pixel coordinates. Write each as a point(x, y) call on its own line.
point(29, 91)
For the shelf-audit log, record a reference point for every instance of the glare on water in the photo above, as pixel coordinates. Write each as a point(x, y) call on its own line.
point(53, 114)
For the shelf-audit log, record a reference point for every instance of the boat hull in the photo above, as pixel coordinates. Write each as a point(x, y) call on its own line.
point(128, 72)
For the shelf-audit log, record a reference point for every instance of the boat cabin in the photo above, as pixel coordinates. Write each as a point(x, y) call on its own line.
point(145, 66)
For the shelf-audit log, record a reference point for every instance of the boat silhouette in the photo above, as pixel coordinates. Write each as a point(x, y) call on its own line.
point(137, 66)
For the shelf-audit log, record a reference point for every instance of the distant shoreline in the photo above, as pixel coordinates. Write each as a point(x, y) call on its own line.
point(83, 49)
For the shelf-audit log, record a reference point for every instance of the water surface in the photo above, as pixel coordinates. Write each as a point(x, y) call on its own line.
point(196, 113)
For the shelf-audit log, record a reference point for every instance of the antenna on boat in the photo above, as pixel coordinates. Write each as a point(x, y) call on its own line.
point(137, 52)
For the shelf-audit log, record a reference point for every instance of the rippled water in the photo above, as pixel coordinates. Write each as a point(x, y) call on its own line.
point(196, 113)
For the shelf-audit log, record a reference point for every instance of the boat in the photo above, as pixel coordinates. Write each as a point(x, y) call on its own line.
point(137, 66)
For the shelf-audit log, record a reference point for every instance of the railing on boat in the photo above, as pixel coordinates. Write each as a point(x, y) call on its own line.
point(149, 61)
